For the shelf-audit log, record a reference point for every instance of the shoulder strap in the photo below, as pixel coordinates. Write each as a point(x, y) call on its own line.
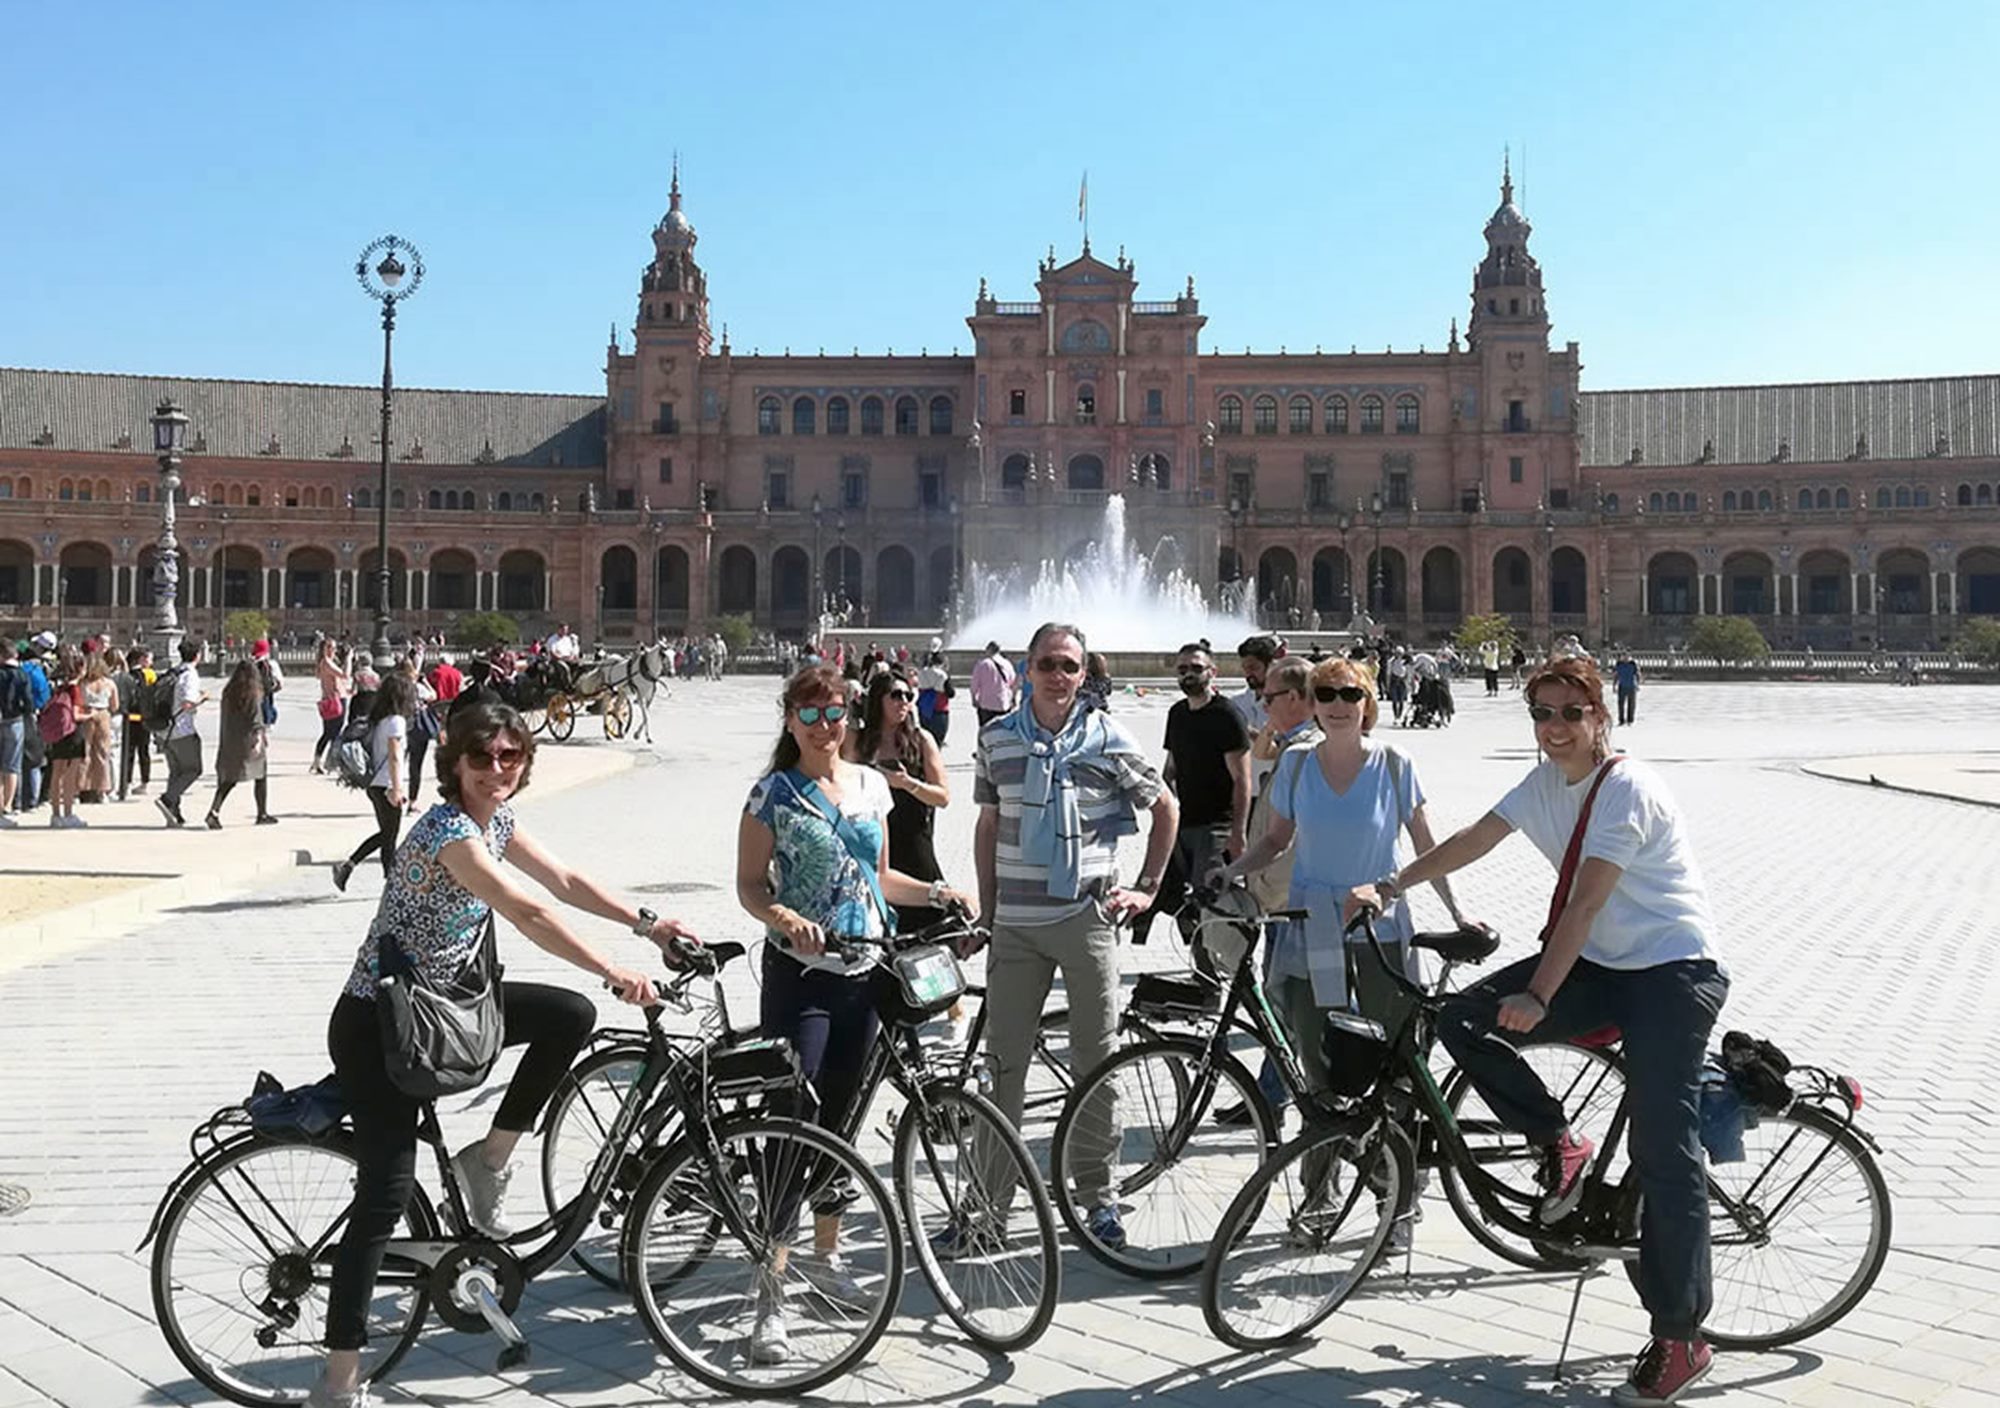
point(850, 837)
point(1300, 757)
point(1398, 766)
point(1566, 877)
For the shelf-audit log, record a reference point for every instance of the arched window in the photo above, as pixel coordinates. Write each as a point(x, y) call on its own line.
point(1965, 496)
point(906, 415)
point(1231, 412)
point(84, 492)
point(142, 494)
point(1823, 499)
point(940, 415)
point(767, 416)
point(1884, 498)
point(396, 498)
point(1336, 415)
point(535, 503)
point(1654, 503)
point(1264, 415)
point(1673, 501)
point(1923, 497)
point(1729, 501)
point(1156, 470)
point(1610, 503)
point(364, 498)
point(504, 502)
point(1763, 500)
point(1371, 415)
point(871, 415)
point(1840, 499)
point(1086, 404)
point(66, 490)
point(1985, 495)
point(836, 416)
point(434, 500)
point(236, 495)
point(253, 496)
point(1299, 416)
point(804, 416)
point(1805, 498)
point(1902, 498)
point(1406, 415)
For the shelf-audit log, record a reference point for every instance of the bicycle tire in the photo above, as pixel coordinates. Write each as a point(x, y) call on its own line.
point(1167, 1236)
point(940, 1141)
point(253, 1282)
point(573, 1132)
point(1751, 1311)
point(704, 1316)
point(1288, 1237)
point(1588, 1080)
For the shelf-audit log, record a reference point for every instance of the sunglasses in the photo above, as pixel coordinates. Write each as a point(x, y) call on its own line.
point(1571, 713)
point(1191, 669)
point(504, 759)
point(1345, 693)
point(902, 694)
point(813, 713)
point(1273, 696)
point(1059, 664)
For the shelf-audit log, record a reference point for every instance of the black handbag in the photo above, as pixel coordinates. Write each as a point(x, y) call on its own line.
point(439, 1039)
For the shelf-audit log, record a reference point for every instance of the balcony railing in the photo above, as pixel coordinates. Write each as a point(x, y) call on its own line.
point(1018, 310)
point(1148, 310)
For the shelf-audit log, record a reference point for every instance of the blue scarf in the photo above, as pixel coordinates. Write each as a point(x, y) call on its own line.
point(1051, 823)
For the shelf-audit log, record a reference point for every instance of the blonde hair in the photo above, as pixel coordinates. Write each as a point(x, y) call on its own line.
point(1338, 671)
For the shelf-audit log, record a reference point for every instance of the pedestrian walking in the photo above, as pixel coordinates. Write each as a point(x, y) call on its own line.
point(242, 743)
point(1625, 674)
point(335, 684)
point(135, 749)
point(1095, 692)
point(1208, 766)
point(389, 711)
point(992, 685)
point(183, 745)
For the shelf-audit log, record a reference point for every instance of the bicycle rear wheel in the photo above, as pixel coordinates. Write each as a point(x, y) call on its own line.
point(731, 1279)
point(578, 1123)
point(1137, 1135)
point(1798, 1231)
point(978, 1216)
point(1305, 1232)
point(242, 1262)
point(1588, 1083)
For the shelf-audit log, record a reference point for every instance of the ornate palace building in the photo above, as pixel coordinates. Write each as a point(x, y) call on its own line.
point(1420, 485)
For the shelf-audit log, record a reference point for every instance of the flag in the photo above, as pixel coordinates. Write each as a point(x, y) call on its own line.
point(1083, 199)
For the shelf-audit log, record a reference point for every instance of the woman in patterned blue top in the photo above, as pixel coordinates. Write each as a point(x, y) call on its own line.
point(811, 860)
point(443, 886)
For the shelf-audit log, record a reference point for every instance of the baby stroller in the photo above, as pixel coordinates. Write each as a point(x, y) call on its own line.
point(1432, 705)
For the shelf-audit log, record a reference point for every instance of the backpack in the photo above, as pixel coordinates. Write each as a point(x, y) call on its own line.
point(353, 764)
point(17, 696)
point(156, 701)
point(57, 720)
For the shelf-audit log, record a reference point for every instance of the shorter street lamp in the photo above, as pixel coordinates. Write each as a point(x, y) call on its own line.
point(169, 433)
point(1345, 606)
point(1377, 587)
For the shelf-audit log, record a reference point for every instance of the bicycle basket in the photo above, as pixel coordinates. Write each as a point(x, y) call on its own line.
point(1356, 1050)
point(752, 1068)
point(915, 985)
point(1183, 996)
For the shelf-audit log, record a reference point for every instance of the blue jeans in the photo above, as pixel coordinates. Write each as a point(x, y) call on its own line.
point(1666, 1014)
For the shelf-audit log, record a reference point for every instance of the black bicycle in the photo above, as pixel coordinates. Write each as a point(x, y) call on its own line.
point(1800, 1225)
point(244, 1240)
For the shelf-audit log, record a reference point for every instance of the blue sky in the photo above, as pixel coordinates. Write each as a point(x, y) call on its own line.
point(1721, 193)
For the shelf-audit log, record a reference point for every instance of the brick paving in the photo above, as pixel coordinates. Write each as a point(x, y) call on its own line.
point(1858, 929)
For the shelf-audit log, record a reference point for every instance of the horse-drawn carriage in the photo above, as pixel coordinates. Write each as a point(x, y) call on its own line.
point(551, 693)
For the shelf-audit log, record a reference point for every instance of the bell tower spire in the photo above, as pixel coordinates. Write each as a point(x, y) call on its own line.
point(1507, 285)
point(673, 291)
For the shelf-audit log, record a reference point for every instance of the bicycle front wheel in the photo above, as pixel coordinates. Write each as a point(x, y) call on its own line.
point(574, 1132)
point(1798, 1230)
point(242, 1263)
point(1138, 1137)
point(1305, 1232)
point(979, 1218)
point(743, 1287)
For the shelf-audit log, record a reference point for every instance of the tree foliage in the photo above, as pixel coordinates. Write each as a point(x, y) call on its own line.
point(1475, 631)
point(1730, 639)
point(736, 632)
point(246, 625)
point(482, 630)
point(1979, 639)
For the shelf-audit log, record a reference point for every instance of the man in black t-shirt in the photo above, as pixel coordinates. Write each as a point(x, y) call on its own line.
point(1208, 766)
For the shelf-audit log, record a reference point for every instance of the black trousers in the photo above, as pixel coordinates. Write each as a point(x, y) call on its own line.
point(552, 1022)
point(135, 751)
point(329, 734)
point(388, 826)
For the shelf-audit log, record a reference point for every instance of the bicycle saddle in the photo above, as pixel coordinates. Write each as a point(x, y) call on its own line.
point(1459, 945)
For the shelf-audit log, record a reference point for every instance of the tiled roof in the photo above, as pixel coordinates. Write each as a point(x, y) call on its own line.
point(1822, 420)
point(93, 410)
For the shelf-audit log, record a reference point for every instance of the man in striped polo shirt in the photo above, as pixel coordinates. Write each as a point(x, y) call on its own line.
point(1057, 788)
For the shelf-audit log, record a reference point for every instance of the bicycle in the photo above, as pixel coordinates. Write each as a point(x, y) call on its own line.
point(1293, 1246)
point(1135, 1133)
point(244, 1240)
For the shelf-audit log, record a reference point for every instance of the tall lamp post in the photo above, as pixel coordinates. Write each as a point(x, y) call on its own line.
point(384, 282)
point(818, 584)
point(1377, 586)
point(1345, 606)
point(169, 433)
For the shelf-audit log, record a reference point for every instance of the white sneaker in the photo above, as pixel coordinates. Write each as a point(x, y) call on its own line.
point(324, 1397)
point(485, 1190)
point(7, 823)
point(833, 1277)
point(770, 1336)
point(74, 822)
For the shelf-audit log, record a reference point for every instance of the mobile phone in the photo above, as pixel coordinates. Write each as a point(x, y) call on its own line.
point(891, 765)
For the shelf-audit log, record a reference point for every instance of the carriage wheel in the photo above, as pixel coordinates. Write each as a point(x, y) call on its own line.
point(562, 717)
point(537, 719)
point(617, 714)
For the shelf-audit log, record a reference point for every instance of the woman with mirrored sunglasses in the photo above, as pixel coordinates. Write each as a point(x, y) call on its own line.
point(1630, 944)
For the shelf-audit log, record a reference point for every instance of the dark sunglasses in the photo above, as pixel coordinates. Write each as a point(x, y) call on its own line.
point(813, 713)
point(503, 758)
point(1345, 693)
point(1571, 713)
point(1059, 664)
point(1192, 669)
point(1274, 695)
point(902, 694)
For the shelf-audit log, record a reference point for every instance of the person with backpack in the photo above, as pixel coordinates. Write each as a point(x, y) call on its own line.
point(34, 757)
point(135, 751)
point(335, 684)
point(17, 702)
point(183, 745)
point(270, 677)
point(394, 703)
point(61, 724)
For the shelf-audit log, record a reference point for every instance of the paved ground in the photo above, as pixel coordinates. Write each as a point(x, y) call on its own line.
point(1859, 929)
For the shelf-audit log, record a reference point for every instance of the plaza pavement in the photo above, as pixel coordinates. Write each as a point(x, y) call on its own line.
point(1858, 928)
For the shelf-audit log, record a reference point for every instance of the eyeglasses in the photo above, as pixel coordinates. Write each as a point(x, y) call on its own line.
point(1273, 696)
point(902, 694)
point(813, 713)
point(1571, 713)
point(503, 759)
point(1059, 664)
point(1191, 669)
point(1345, 693)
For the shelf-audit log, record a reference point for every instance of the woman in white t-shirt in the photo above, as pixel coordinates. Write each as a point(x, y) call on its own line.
point(1632, 947)
point(390, 787)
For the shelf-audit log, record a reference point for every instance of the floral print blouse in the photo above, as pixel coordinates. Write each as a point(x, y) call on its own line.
point(817, 876)
point(437, 921)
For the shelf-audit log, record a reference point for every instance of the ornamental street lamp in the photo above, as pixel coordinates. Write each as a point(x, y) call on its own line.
point(385, 283)
point(1377, 588)
point(169, 433)
point(818, 584)
point(221, 580)
point(1345, 606)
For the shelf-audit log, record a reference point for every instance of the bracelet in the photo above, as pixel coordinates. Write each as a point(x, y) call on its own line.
point(1535, 998)
point(1387, 887)
point(647, 919)
point(936, 892)
point(1145, 886)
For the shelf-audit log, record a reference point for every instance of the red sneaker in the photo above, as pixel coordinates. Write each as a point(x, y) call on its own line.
point(1665, 1368)
point(1563, 1165)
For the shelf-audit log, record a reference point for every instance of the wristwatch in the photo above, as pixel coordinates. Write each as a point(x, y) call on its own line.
point(936, 893)
point(1145, 885)
point(644, 928)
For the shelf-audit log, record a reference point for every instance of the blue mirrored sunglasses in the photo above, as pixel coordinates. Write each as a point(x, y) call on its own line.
point(813, 713)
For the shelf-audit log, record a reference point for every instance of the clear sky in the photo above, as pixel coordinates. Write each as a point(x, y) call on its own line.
point(1721, 192)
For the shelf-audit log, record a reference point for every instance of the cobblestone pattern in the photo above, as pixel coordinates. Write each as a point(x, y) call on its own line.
point(1858, 928)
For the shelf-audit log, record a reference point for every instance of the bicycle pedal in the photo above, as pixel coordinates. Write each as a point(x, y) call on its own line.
point(512, 1356)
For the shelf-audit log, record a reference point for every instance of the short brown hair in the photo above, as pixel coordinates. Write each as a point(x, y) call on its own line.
point(474, 724)
point(1329, 672)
